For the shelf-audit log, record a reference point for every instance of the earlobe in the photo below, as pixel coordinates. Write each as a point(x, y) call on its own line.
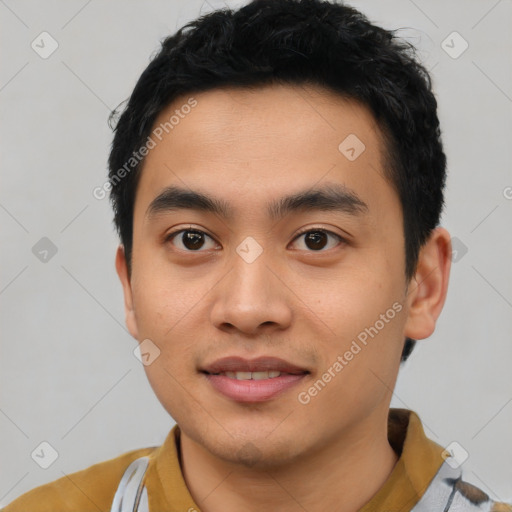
point(428, 289)
point(122, 272)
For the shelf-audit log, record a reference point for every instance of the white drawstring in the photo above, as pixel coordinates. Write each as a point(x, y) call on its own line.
point(131, 494)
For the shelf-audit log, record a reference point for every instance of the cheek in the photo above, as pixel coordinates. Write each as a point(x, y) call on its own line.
point(171, 387)
point(364, 352)
point(164, 314)
point(353, 302)
point(162, 301)
point(365, 315)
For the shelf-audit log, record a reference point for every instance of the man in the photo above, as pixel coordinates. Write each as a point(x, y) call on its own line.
point(277, 180)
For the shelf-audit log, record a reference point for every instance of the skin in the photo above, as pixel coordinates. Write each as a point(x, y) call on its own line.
point(295, 302)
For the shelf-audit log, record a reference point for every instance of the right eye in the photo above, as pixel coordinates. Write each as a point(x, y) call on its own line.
point(190, 240)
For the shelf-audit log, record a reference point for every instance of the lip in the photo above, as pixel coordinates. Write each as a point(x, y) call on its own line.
point(260, 364)
point(248, 391)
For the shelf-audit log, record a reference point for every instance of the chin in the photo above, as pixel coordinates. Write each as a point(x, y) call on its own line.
point(259, 454)
point(260, 444)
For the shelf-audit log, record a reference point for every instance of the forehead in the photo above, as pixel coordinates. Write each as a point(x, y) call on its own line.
point(246, 145)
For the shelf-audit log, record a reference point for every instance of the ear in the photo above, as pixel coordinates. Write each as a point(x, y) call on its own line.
point(122, 272)
point(429, 286)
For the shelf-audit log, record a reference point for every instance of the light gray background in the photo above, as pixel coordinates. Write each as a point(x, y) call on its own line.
point(68, 374)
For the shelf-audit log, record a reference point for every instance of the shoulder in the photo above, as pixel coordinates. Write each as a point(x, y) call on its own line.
point(449, 492)
point(91, 489)
point(467, 497)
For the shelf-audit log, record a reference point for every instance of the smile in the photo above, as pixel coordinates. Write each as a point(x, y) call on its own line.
point(254, 380)
point(251, 375)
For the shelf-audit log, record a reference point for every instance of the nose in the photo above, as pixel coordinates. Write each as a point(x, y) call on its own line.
point(252, 298)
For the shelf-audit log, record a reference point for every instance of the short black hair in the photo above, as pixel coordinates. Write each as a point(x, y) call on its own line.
point(296, 42)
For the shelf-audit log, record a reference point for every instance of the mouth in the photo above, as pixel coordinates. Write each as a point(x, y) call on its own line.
point(262, 375)
point(256, 380)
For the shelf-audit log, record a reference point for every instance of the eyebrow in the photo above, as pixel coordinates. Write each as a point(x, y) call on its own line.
point(330, 197)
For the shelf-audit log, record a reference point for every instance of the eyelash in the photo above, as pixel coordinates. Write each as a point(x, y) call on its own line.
point(172, 235)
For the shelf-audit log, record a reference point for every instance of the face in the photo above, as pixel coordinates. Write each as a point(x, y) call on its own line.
point(268, 272)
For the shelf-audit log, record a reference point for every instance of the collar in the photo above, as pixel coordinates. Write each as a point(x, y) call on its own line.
point(420, 459)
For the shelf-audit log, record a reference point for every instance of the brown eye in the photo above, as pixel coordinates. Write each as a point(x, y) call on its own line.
point(191, 240)
point(318, 240)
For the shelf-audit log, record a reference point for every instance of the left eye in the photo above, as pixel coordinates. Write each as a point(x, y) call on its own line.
point(191, 240)
point(318, 239)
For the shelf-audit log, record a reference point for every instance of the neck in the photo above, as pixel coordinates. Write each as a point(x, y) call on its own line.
point(342, 476)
